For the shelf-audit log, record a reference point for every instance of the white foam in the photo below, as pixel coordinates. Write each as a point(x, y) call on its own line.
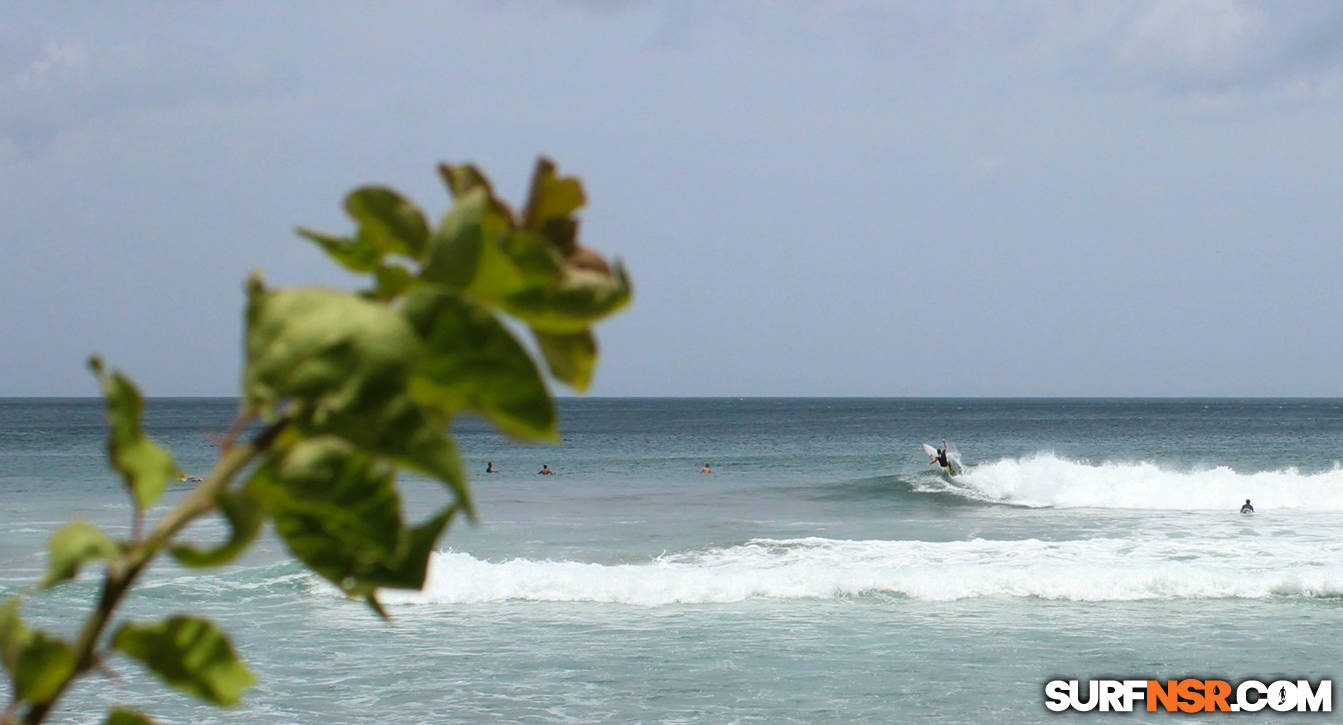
point(1047, 480)
point(1099, 569)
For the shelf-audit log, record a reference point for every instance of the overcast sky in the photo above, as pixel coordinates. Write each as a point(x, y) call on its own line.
point(828, 198)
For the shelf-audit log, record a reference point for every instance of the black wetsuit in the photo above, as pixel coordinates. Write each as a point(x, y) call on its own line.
point(942, 459)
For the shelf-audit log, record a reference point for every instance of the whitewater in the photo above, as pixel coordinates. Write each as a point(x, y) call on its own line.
point(1102, 569)
point(1046, 479)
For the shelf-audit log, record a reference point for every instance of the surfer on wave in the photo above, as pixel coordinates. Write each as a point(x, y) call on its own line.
point(941, 458)
point(1247, 508)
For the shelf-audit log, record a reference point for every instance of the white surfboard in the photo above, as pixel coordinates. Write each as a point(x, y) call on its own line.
point(953, 469)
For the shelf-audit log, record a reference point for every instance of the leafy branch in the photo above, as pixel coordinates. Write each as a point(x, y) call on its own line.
point(345, 390)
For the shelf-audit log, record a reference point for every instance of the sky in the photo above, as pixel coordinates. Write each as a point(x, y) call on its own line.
point(843, 198)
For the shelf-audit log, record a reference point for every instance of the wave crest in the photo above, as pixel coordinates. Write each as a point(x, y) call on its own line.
point(1045, 480)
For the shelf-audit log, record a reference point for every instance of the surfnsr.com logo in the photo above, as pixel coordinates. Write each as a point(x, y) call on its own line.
point(1188, 695)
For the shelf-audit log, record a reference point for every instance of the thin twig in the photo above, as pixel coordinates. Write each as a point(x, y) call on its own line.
point(137, 521)
point(231, 435)
point(119, 578)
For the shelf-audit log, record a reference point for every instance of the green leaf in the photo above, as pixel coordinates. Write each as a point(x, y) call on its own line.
point(390, 222)
point(324, 347)
point(120, 716)
point(409, 569)
point(189, 654)
point(464, 251)
point(73, 546)
point(13, 635)
point(538, 273)
point(244, 514)
point(390, 281)
point(535, 258)
point(580, 298)
point(389, 423)
point(343, 491)
point(358, 254)
point(144, 466)
point(553, 199)
point(571, 357)
point(464, 178)
point(37, 663)
point(350, 360)
point(338, 512)
point(474, 363)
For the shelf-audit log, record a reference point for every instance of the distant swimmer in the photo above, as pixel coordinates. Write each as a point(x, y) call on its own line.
point(1247, 508)
point(489, 468)
point(193, 479)
point(545, 471)
point(706, 469)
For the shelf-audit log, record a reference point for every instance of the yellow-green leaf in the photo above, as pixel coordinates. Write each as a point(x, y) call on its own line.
point(389, 221)
point(358, 254)
point(144, 466)
point(121, 716)
point(390, 281)
point(464, 250)
point(324, 347)
point(461, 179)
point(571, 357)
point(573, 302)
point(553, 199)
point(73, 546)
point(38, 663)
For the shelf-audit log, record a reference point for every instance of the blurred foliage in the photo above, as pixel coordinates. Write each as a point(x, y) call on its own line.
point(349, 388)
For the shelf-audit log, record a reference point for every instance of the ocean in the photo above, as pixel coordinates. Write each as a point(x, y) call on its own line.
point(823, 573)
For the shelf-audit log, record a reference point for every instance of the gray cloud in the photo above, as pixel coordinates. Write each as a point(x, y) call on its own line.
point(1197, 47)
point(62, 83)
point(1179, 47)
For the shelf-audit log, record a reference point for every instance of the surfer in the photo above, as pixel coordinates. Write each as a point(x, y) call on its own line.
point(545, 471)
point(706, 469)
point(489, 468)
point(1247, 508)
point(942, 456)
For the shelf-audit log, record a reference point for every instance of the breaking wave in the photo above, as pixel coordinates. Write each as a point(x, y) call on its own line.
point(1098, 569)
point(1045, 480)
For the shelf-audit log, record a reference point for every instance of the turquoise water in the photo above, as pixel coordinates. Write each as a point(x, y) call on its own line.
point(822, 574)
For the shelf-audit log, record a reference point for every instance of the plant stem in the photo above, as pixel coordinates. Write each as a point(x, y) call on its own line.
point(119, 577)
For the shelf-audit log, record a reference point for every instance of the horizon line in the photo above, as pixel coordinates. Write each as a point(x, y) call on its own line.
point(777, 396)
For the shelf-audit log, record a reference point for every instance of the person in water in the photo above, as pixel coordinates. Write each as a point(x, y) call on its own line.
point(489, 467)
point(706, 469)
point(1247, 508)
point(941, 458)
point(545, 471)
